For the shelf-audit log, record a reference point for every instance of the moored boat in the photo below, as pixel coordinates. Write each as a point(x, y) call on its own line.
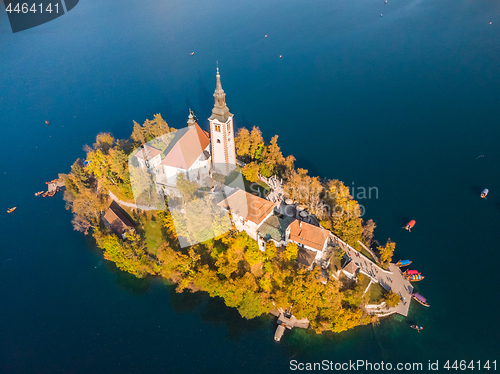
point(410, 225)
point(484, 193)
point(414, 277)
point(11, 209)
point(402, 263)
point(419, 298)
point(38, 193)
point(409, 272)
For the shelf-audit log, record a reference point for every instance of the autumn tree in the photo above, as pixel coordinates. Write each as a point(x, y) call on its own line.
point(367, 234)
point(291, 251)
point(391, 299)
point(271, 250)
point(251, 172)
point(242, 142)
point(256, 143)
point(386, 253)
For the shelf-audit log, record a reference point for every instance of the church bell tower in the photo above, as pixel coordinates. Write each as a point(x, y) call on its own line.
point(222, 133)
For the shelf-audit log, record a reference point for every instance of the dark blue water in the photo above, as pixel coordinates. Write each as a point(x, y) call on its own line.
point(405, 103)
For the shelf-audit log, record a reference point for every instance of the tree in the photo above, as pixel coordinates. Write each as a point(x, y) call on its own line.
point(87, 208)
point(242, 142)
point(251, 172)
point(138, 134)
point(271, 250)
point(367, 234)
point(256, 142)
point(386, 253)
point(160, 126)
point(104, 142)
point(346, 221)
point(291, 251)
point(272, 156)
point(392, 299)
point(186, 187)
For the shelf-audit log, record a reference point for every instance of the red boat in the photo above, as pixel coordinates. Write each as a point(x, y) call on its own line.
point(410, 225)
point(409, 272)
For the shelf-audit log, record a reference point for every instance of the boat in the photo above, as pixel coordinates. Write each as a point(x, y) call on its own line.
point(11, 209)
point(417, 327)
point(279, 332)
point(484, 193)
point(38, 193)
point(410, 272)
point(402, 263)
point(192, 53)
point(45, 194)
point(420, 299)
point(414, 277)
point(47, 123)
point(410, 225)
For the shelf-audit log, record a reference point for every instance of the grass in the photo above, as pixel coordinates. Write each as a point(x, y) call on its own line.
point(367, 254)
point(153, 234)
point(366, 282)
point(375, 292)
point(259, 187)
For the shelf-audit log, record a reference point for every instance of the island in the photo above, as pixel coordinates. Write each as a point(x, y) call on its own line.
point(226, 213)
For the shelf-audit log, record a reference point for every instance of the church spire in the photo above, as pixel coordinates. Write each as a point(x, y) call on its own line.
point(192, 118)
point(220, 110)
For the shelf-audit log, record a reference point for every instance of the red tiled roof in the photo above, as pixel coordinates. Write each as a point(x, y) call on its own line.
point(308, 235)
point(187, 148)
point(248, 206)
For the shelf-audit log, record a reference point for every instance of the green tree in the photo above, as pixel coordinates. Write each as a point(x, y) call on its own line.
point(256, 141)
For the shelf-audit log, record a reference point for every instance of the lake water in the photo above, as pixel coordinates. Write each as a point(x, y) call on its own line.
point(407, 103)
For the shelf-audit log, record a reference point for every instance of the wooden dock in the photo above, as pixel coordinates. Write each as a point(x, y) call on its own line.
point(54, 186)
point(287, 321)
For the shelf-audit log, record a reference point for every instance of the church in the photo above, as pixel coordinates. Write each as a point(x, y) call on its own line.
point(191, 150)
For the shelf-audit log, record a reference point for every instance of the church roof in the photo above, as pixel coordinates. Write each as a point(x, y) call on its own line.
point(309, 235)
point(186, 146)
point(250, 207)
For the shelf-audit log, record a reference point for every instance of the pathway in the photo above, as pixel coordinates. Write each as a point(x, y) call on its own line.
point(391, 279)
point(131, 205)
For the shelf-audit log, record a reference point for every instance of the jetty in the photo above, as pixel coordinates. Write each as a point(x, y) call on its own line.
point(287, 321)
point(54, 185)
